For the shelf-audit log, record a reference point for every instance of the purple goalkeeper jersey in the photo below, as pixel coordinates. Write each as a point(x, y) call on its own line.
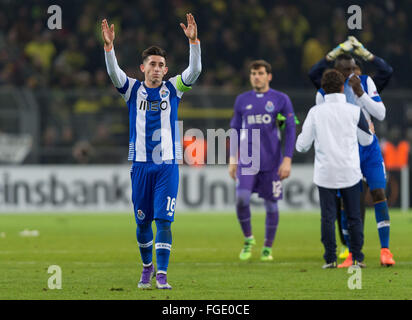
point(255, 110)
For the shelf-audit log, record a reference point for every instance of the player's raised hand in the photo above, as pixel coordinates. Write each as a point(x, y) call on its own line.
point(107, 34)
point(359, 49)
point(191, 29)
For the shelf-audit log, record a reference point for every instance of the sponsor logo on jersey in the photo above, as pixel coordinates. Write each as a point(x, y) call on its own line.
point(249, 106)
point(259, 118)
point(140, 214)
point(153, 105)
point(269, 106)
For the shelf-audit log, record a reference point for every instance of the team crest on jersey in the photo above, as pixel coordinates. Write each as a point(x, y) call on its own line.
point(140, 214)
point(269, 106)
point(164, 93)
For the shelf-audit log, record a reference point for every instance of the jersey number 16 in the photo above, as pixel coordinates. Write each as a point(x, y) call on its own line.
point(171, 202)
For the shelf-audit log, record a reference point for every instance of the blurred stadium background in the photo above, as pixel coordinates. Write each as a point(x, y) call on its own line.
point(64, 128)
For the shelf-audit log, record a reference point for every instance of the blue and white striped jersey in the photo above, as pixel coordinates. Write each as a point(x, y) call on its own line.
point(153, 128)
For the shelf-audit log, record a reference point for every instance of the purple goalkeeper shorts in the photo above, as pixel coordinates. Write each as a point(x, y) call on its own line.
point(265, 183)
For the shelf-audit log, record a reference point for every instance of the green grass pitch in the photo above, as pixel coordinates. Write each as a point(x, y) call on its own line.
point(99, 259)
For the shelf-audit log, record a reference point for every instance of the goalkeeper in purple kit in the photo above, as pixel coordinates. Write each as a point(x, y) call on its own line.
point(257, 111)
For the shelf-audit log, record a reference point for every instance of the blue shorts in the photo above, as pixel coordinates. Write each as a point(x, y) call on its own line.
point(154, 190)
point(372, 165)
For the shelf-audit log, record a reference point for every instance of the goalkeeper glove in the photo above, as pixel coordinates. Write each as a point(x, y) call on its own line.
point(281, 119)
point(359, 49)
point(341, 48)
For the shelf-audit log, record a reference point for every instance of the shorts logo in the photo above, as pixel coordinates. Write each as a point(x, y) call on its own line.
point(164, 93)
point(140, 214)
point(269, 106)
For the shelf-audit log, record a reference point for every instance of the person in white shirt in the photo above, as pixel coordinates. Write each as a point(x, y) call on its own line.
point(336, 127)
point(361, 90)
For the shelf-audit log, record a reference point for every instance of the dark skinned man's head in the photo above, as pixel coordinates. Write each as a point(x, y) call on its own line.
point(345, 64)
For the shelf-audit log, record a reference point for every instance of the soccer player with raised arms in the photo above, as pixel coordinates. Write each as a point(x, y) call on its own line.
point(154, 144)
point(258, 109)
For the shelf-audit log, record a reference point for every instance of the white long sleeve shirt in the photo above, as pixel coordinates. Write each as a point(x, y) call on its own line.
point(335, 127)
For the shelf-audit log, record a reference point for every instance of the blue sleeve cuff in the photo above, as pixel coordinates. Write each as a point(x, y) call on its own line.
point(124, 88)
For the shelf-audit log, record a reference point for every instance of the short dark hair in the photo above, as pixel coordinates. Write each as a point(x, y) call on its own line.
point(332, 81)
point(260, 63)
point(343, 56)
point(153, 51)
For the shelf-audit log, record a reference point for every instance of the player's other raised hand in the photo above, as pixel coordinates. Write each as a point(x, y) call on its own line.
point(359, 49)
point(191, 29)
point(107, 34)
point(341, 48)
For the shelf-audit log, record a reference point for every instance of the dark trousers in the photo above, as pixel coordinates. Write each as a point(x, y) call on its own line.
point(339, 206)
point(351, 199)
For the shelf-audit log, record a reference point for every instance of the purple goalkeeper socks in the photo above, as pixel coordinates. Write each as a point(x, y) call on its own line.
point(271, 224)
point(243, 215)
point(243, 211)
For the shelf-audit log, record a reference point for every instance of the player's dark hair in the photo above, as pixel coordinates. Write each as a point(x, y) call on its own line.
point(260, 63)
point(343, 56)
point(153, 51)
point(332, 81)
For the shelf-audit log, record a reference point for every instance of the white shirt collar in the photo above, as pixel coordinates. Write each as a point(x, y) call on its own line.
point(335, 97)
